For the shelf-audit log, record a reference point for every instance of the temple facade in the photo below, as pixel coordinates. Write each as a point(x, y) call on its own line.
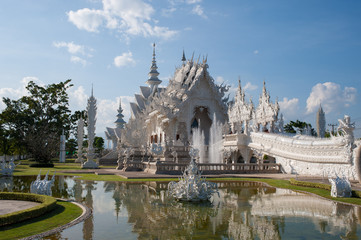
point(164, 120)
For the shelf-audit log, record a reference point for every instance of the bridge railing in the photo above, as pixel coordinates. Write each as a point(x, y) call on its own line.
point(211, 168)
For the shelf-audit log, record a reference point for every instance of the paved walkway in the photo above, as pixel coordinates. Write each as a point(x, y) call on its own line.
point(9, 206)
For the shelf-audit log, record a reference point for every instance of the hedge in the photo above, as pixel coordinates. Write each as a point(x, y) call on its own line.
point(356, 194)
point(310, 184)
point(47, 204)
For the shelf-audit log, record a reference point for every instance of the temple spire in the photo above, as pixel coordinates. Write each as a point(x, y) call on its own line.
point(153, 80)
point(120, 121)
point(184, 58)
point(320, 122)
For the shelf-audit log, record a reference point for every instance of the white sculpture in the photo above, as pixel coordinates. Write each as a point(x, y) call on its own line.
point(80, 136)
point(62, 148)
point(240, 112)
point(320, 123)
point(346, 127)
point(42, 186)
point(91, 113)
point(340, 187)
point(157, 149)
point(7, 169)
point(192, 187)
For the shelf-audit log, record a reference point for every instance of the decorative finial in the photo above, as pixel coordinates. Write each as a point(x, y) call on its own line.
point(92, 90)
point(184, 57)
point(153, 80)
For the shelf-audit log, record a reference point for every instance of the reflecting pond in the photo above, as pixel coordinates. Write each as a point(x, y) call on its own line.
point(244, 210)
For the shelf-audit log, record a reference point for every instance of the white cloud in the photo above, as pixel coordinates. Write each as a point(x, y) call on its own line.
point(249, 86)
point(255, 52)
point(168, 11)
point(331, 96)
point(71, 47)
point(123, 60)
point(76, 59)
point(77, 98)
point(290, 108)
point(87, 19)
point(198, 10)
point(16, 93)
point(193, 1)
point(128, 17)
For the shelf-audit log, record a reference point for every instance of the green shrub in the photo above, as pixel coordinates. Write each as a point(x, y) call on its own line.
point(356, 194)
point(310, 184)
point(42, 165)
point(47, 204)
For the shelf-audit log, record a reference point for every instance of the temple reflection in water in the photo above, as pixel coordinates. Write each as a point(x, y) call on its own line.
point(244, 210)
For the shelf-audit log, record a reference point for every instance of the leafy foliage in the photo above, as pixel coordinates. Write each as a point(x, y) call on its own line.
point(292, 126)
point(36, 121)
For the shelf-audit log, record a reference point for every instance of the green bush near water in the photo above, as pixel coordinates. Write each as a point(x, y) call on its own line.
point(47, 204)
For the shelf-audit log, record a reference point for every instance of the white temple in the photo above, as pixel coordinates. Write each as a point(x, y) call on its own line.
point(253, 138)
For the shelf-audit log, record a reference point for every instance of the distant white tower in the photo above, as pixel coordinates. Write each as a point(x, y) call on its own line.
point(153, 80)
point(91, 113)
point(62, 148)
point(80, 136)
point(321, 123)
point(120, 117)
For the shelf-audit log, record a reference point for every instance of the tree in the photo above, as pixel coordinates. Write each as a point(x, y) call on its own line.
point(6, 142)
point(37, 120)
point(291, 126)
point(98, 144)
point(71, 146)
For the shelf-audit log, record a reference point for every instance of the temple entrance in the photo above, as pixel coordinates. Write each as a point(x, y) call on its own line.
point(202, 120)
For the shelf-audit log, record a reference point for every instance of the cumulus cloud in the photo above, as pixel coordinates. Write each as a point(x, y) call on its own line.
point(331, 96)
point(198, 10)
point(128, 17)
point(193, 1)
point(75, 49)
point(16, 93)
point(123, 60)
point(250, 87)
point(87, 19)
point(71, 47)
point(76, 59)
point(290, 108)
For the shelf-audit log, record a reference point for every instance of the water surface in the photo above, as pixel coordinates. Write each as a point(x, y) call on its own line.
point(244, 210)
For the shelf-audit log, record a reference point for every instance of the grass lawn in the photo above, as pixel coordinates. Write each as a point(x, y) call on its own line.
point(24, 169)
point(65, 212)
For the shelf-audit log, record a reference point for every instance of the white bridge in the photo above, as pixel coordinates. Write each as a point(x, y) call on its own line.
point(297, 154)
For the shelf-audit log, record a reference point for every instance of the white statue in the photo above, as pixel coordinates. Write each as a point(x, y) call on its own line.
point(80, 136)
point(91, 113)
point(192, 187)
point(346, 127)
point(340, 187)
point(62, 148)
point(7, 169)
point(42, 186)
point(157, 149)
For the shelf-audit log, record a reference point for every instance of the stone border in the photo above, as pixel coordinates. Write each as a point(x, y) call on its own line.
point(86, 213)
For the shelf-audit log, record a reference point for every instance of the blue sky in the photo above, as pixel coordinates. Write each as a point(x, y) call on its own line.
point(307, 51)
